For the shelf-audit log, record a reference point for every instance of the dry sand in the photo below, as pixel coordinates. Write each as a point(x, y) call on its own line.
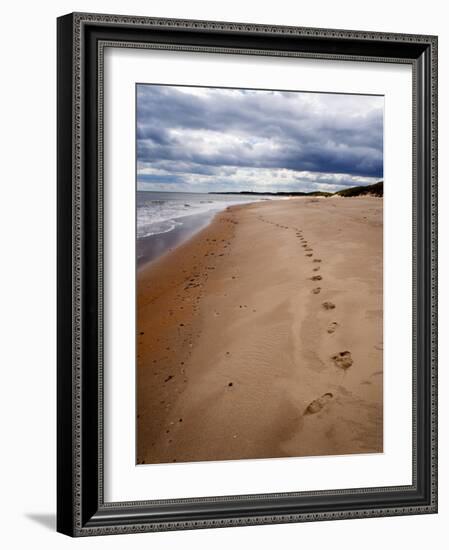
point(262, 335)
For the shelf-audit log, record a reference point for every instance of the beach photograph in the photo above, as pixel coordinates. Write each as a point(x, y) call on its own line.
point(259, 273)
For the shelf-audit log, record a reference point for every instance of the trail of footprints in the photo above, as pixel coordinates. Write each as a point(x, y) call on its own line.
point(342, 360)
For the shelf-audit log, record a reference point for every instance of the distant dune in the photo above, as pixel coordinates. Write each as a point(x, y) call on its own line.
point(375, 190)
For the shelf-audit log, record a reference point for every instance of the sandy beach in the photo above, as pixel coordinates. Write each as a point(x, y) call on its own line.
point(261, 336)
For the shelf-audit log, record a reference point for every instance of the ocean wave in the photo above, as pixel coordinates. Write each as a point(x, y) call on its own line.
point(156, 228)
point(156, 215)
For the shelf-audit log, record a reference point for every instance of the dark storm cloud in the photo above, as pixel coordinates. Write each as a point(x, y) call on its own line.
point(209, 132)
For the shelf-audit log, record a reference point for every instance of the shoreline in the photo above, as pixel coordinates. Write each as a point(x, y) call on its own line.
point(238, 357)
point(152, 247)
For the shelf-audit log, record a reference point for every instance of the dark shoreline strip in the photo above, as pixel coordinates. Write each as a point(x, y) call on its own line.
point(152, 247)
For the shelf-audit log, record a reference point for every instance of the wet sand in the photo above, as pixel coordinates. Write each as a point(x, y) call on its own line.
point(261, 336)
point(151, 248)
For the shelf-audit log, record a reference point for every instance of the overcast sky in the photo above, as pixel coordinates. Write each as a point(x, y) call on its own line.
point(210, 139)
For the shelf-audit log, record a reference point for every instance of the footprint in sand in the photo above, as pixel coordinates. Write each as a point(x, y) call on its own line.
point(316, 269)
point(304, 246)
point(318, 404)
point(316, 290)
point(309, 249)
point(309, 255)
point(328, 305)
point(332, 327)
point(343, 360)
point(316, 260)
point(316, 278)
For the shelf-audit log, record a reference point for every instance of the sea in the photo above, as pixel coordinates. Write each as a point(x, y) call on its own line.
point(166, 219)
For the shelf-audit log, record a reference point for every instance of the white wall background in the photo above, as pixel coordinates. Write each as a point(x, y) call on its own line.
point(27, 272)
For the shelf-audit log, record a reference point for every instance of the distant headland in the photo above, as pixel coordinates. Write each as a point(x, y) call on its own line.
point(374, 190)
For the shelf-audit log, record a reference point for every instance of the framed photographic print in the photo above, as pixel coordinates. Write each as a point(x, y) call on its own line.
point(247, 274)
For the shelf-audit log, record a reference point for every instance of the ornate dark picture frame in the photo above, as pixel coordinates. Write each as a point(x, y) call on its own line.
point(81, 510)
